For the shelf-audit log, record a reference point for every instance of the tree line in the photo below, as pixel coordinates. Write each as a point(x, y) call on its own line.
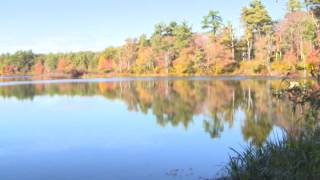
point(265, 47)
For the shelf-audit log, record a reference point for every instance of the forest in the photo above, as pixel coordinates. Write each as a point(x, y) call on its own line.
point(266, 47)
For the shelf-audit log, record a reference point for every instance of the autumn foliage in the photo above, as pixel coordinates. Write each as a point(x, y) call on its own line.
point(265, 47)
point(61, 65)
point(105, 64)
point(39, 68)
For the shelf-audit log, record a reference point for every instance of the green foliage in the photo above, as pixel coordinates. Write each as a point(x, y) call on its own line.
point(159, 40)
point(143, 41)
point(23, 60)
point(85, 60)
point(110, 53)
point(212, 21)
point(199, 60)
point(93, 62)
point(4, 59)
point(310, 29)
point(293, 5)
point(227, 36)
point(182, 34)
point(171, 37)
point(51, 61)
point(285, 159)
point(313, 6)
point(255, 18)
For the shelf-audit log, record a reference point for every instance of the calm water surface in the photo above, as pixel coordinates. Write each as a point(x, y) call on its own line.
point(127, 128)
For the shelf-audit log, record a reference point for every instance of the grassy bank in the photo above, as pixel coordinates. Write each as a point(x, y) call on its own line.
point(290, 158)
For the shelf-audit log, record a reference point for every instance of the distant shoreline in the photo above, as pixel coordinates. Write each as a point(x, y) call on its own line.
point(101, 75)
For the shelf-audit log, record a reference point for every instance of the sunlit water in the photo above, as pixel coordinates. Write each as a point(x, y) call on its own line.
point(127, 128)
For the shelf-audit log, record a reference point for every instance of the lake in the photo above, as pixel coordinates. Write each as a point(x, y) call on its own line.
point(134, 128)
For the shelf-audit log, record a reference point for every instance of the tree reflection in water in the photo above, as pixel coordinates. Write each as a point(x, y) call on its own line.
point(177, 102)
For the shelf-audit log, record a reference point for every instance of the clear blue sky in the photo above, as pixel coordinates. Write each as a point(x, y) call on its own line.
point(73, 25)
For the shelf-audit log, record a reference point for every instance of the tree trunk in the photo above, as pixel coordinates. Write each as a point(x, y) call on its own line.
point(233, 49)
point(303, 57)
point(232, 44)
point(120, 66)
point(167, 59)
point(249, 46)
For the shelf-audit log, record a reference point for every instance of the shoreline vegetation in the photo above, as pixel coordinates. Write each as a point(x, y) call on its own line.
point(294, 156)
point(267, 47)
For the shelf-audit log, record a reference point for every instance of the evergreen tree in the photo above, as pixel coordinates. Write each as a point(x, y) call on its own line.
point(256, 21)
point(182, 34)
point(293, 5)
point(212, 22)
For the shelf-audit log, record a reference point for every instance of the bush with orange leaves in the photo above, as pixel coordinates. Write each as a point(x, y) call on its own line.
point(9, 69)
point(61, 67)
point(39, 68)
point(219, 57)
point(105, 64)
point(313, 58)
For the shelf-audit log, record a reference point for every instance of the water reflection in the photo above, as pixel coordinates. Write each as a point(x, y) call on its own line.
point(178, 102)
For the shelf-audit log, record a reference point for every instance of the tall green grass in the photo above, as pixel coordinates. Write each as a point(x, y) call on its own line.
point(289, 158)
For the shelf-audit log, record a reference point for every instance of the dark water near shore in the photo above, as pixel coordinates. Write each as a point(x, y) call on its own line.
point(134, 128)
